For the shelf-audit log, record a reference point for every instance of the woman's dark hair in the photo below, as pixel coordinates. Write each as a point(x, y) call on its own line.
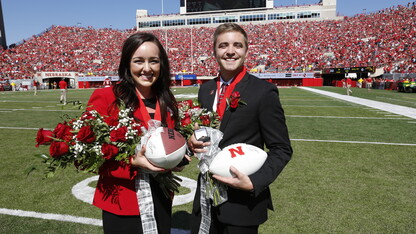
point(125, 89)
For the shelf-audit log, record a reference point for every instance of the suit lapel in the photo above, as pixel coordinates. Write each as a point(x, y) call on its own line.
point(240, 87)
point(209, 95)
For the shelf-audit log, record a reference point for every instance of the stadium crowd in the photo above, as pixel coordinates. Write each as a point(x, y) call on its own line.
point(385, 39)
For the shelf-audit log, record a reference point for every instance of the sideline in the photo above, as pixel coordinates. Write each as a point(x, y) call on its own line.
point(355, 142)
point(50, 216)
point(85, 193)
point(67, 218)
point(396, 109)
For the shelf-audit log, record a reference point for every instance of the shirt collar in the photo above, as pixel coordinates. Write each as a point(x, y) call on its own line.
point(224, 82)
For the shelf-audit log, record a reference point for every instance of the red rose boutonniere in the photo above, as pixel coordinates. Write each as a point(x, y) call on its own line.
point(235, 101)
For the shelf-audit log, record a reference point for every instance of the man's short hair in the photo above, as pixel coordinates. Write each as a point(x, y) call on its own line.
point(230, 27)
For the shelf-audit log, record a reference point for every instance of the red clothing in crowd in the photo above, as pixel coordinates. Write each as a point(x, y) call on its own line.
point(297, 46)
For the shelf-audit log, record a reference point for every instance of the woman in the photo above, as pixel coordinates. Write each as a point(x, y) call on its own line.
point(144, 87)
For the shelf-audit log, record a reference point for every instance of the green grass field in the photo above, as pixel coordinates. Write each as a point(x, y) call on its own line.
point(330, 186)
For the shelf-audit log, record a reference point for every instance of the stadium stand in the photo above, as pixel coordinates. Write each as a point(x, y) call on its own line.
point(384, 39)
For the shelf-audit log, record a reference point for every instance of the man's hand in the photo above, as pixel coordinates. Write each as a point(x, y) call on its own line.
point(239, 180)
point(195, 145)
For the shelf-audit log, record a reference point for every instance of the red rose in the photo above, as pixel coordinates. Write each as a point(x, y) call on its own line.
point(87, 115)
point(86, 135)
point(186, 103)
point(58, 148)
point(234, 99)
point(112, 121)
point(190, 103)
point(186, 120)
point(118, 134)
point(63, 131)
point(109, 150)
point(196, 108)
point(205, 120)
point(44, 137)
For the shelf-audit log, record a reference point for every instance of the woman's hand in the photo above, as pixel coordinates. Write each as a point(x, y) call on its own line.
point(139, 160)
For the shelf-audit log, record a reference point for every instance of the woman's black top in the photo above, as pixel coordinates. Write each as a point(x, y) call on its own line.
point(151, 103)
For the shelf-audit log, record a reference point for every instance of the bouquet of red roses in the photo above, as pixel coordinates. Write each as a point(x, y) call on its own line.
point(89, 140)
point(190, 113)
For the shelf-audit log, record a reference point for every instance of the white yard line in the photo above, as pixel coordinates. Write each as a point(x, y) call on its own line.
point(355, 142)
point(66, 218)
point(9, 110)
point(20, 128)
point(50, 216)
point(396, 109)
point(346, 117)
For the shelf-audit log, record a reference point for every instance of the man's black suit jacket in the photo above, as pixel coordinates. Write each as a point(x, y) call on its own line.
point(261, 122)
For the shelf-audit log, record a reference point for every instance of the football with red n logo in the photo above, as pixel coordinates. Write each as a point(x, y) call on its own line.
point(165, 148)
point(246, 158)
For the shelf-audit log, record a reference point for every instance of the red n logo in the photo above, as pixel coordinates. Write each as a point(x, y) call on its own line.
point(237, 150)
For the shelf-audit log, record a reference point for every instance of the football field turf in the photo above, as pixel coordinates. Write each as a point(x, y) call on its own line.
point(352, 171)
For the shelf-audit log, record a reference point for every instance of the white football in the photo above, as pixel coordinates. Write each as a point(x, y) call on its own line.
point(165, 148)
point(244, 157)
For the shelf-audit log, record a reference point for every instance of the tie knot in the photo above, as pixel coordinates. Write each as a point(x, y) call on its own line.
point(223, 87)
point(222, 92)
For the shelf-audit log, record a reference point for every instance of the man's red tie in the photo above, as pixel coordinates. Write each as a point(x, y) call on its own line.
point(221, 94)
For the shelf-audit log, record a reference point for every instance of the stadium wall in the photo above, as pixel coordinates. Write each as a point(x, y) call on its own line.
point(323, 11)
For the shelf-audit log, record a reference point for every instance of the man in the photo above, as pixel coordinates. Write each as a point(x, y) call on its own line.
point(35, 86)
point(349, 82)
point(260, 122)
point(369, 83)
point(63, 86)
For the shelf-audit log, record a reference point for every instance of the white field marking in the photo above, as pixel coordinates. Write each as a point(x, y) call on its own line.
point(30, 101)
point(192, 95)
point(412, 122)
point(342, 117)
point(5, 111)
point(349, 106)
point(355, 142)
point(19, 128)
point(39, 110)
point(66, 218)
point(306, 100)
point(50, 216)
point(85, 193)
point(396, 109)
point(394, 99)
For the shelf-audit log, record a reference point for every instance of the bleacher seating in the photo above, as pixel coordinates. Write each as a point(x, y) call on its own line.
point(384, 39)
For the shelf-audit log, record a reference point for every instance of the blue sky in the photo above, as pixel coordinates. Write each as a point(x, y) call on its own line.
point(24, 18)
